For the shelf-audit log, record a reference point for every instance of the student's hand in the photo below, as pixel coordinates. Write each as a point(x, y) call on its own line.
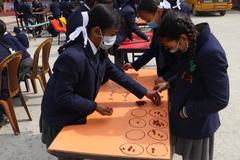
point(161, 86)
point(159, 80)
point(127, 66)
point(104, 110)
point(154, 97)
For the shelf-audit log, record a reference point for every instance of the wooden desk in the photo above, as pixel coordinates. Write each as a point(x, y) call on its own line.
point(137, 45)
point(132, 132)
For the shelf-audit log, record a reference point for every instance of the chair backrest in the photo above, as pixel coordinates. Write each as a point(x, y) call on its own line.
point(57, 26)
point(45, 47)
point(11, 64)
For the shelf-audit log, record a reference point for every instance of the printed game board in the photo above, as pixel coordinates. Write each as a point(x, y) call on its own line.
point(136, 130)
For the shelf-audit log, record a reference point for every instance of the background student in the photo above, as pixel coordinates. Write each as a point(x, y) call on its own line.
point(15, 45)
point(152, 12)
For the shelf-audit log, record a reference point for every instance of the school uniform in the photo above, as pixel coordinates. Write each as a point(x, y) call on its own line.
point(164, 60)
point(4, 84)
point(18, 12)
point(55, 9)
point(15, 44)
point(128, 25)
point(203, 98)
point(27, 12)
point(22, 37)
point(67, 9)
point(73, 24)
point(71, 90)
point(38, 7)
point(180, 6)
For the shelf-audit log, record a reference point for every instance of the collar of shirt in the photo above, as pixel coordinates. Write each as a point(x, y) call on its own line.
point(5, 33)
point(94, 48)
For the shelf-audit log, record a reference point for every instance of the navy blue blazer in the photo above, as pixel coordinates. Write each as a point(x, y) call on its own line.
point(72, 89)
point(66, 8)
point(206, 95)
point(128, 25)
point(23, 39)
point(164, 59)
point(4, 84)
point(15, 44)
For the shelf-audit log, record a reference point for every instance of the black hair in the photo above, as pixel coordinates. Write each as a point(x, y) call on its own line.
point(103, 17)
point(149, 6)
point(100, 16)
point(3, 28)
point(175, 23)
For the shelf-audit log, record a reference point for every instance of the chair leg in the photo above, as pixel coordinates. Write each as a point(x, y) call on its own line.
point(27, 85)
point(49, 72)
point(34, 85)
point(42, 81)
point(59, 38)
point(8, 109)
point(24, 104)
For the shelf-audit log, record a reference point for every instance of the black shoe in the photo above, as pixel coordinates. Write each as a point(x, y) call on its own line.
point(3, 120)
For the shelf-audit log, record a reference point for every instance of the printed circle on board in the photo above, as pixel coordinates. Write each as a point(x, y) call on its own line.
point(135, 134)
point(137, 123)
point(158, 113)
point(131, 149)
point(157, 149)
point(139, 112)
point(158, 123)
point(157, 134)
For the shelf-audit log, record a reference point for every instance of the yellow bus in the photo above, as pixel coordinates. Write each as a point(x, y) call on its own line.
point(220, 6)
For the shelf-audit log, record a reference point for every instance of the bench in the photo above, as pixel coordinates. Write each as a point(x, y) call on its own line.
point(33, 26)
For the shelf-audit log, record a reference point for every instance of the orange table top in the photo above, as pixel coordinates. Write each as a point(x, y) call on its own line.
point(134, 131)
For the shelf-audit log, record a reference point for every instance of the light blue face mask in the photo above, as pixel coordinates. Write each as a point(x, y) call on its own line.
point(153, 25)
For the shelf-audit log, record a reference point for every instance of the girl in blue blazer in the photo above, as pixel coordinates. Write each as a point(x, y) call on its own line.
point(152, 12)
point(78, 73)
point(200, 87)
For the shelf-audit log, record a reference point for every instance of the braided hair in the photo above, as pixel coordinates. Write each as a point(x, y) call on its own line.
point(172, 26)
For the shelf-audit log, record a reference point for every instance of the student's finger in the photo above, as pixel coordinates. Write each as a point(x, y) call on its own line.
point(156, 87)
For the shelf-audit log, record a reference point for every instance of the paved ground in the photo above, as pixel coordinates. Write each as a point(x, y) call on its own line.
point(27, 145)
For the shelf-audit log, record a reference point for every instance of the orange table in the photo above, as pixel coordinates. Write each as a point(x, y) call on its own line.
point(132, 132)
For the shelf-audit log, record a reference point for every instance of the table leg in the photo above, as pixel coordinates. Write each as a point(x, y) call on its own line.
point(119, 58)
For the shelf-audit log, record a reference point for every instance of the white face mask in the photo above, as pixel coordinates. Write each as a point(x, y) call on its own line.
point(107, 42)
point(174, 50)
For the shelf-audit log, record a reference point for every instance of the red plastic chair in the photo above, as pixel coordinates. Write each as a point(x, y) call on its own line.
point(58, 28)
